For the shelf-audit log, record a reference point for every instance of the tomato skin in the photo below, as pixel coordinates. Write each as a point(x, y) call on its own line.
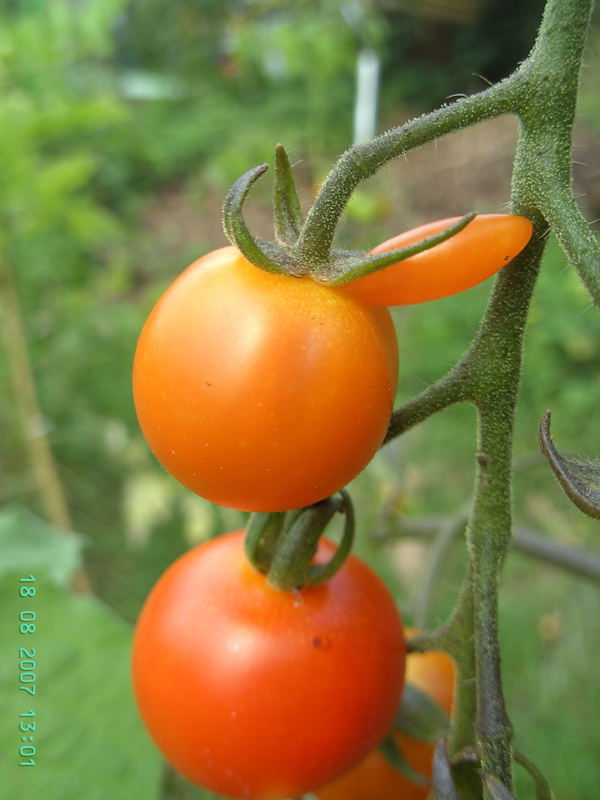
point(469, 257)
point(256, 693)
point(263, 392)
point(374, 778)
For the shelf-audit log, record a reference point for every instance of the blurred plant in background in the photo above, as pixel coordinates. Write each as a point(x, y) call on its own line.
point(122, 123)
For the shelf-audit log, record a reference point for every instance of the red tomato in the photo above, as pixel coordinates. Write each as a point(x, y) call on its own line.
point(253, 692)
point(479, 250)
point(374, 778)
point(259, 391)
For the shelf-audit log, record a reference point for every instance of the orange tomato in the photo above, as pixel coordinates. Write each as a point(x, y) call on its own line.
point(374, 778)
point(479, 250)
point(263, 392)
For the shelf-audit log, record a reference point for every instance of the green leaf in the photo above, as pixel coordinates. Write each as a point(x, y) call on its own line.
point(420, 717)
point(89, 741)
point(30, 546)
point(390, 749)
point(579, 477)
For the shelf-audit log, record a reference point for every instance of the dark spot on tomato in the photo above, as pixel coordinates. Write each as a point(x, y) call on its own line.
point(206, 383)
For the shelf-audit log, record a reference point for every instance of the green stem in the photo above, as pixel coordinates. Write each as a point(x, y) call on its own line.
point(488, 536)
point(262, 534)
point(489, 374)
point(462, 735)
point(450, 389)
point(456, 638)
point(290, 564)
point(363, 160)
point(497, 353)
point(542, 175)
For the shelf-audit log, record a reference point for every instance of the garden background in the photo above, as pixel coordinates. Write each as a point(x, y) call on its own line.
point(122, 125)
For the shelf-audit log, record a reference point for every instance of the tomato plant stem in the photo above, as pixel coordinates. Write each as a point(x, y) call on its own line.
point(363, 160)
point(282, 546)
point(463, 735)
point(542, 94)
point(545, 102)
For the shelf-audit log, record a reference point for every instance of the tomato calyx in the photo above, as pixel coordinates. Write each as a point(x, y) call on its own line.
point(294, 253)
point(282, 545)
point(268, 256)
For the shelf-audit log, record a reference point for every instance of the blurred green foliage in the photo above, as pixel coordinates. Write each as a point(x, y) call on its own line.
point(84, 736)
point(122, 123)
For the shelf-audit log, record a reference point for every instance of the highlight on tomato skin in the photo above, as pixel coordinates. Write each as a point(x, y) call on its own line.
point(375, 778)
point(484, 246)
point(252, 692)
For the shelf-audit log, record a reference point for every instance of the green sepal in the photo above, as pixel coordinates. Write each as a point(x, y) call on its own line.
point(287, 215)
point(345, 267)
point(389, 748)
point(420, 717)
point(237, 232)
point(579, 477)
point(283, 256)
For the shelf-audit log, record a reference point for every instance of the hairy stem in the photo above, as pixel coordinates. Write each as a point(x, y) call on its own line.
point(363, 160)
